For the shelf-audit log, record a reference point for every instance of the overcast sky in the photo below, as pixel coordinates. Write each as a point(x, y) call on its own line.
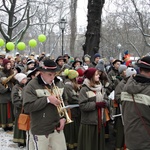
point(82, 13)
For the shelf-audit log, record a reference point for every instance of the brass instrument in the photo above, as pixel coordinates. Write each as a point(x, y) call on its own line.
point(61, 108)
point(60, 72)
point(5, 80)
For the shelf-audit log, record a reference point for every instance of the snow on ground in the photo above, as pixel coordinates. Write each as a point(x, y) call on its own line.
point(6, 141)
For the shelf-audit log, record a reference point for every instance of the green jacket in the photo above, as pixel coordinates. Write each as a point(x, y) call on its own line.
point(87, 103)
point(136, 135)
point(44, 115)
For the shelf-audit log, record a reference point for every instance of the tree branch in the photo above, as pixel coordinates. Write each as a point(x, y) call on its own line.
point(3, 33)
point(4, 4)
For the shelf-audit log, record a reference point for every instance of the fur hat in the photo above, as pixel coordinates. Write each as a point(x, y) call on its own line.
point(20, 76)
point(89, 73)
point(71, 73)
point(100, 65)
point(48, 65)
point(122, 68)
point(130, 71)
point(86, 57)
point(144, 63)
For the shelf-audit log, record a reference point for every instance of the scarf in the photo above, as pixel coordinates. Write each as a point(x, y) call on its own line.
point(97, 89)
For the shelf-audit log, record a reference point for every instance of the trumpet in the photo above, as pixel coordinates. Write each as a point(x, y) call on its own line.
point(61, 108)
point(5, 80)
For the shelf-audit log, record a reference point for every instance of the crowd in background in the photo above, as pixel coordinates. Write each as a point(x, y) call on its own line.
point(87, 85)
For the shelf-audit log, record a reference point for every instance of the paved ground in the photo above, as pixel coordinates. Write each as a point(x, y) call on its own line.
point(6, 142)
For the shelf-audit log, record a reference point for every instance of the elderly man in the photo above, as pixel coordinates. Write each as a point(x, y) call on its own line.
point(41, 101)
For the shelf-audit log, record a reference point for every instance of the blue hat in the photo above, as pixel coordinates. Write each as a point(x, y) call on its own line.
point(97, 55)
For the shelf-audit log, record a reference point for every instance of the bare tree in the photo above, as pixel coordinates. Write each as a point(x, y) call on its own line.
point(128, 24)
point(46, 21)
point(73, 26)
point(16, 12)
point(91, 45)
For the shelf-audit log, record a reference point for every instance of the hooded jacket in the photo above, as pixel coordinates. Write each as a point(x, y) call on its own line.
point(136, 135)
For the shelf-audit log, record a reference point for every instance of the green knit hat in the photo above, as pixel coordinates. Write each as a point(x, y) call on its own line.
point(71, 73)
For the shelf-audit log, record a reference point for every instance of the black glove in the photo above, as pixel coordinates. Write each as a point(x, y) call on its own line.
point(101, 104)
point(8, 89)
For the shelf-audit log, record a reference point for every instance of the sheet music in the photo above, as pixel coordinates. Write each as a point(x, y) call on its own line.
point(70, 106)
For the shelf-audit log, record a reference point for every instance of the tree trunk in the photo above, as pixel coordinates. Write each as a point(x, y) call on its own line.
point(73, 26)
point(92, 41)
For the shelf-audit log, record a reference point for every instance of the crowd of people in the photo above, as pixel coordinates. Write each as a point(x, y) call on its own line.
point(44, 87)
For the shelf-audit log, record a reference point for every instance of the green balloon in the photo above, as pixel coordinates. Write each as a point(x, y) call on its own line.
point(10, 46)
point(2, 42)
point(42, 38)
point(21, 46)
point(32, 43)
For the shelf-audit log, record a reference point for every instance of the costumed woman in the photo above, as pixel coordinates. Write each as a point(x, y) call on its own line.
point(19, 136)
point(72, 89)
point(92, 106)
point(6, 84)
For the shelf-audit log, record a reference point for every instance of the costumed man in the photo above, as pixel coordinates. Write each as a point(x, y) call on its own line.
point(112, 76)
point(135, 100)
point(119, 129)
point(42, 98)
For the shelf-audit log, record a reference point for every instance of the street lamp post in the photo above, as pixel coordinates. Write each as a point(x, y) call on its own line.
point(62, 24)
point(119, 49)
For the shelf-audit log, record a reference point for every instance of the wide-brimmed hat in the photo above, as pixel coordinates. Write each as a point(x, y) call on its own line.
point(116, 60)
point(73, 64)
point(48, 65)
point(60, 58)
point(66, 55)
point(144, 62)
point(31, 72)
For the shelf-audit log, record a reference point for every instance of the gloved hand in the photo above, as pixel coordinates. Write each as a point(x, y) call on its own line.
point(101, 104)
point(8, 89)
